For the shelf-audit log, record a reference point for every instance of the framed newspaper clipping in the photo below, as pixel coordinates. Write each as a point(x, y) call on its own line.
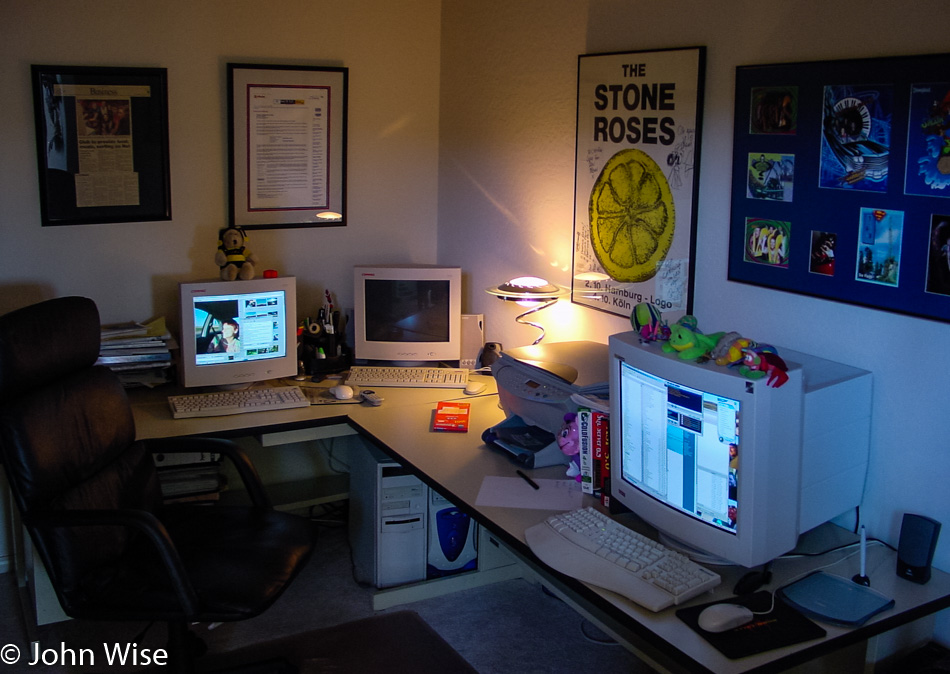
point(636, 179)
point(287, 145)
point(102, 144)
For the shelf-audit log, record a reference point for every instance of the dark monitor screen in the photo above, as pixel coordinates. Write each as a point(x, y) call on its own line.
point(406, 310)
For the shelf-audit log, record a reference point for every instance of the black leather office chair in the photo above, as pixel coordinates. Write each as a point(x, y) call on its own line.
point(89, 496)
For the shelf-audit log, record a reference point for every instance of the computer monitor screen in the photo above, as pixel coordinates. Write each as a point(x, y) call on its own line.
point(681, 446)
point(238, 332)
point(731, 468)
point(407, 313)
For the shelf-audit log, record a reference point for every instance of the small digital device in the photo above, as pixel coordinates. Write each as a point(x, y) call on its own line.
point(238, 332)
point(730, 469)
point(407, 314)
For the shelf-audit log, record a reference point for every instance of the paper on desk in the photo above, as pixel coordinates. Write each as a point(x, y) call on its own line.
point(513, 492)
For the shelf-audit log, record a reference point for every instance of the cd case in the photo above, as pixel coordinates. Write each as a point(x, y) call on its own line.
point(834, 599)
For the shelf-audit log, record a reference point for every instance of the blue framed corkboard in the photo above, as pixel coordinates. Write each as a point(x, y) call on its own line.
point(841, 181)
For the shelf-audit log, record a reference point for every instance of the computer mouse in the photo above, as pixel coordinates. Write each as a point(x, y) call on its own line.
point(473, 388)
point(722, 617)
point(341, 392)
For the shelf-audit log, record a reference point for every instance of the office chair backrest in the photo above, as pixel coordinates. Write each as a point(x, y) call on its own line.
point(67, 439)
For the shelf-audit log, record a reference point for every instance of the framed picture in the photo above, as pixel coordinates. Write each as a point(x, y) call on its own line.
point(287, 145)
point(102, 144)
point(639, 117)
point(841, 181)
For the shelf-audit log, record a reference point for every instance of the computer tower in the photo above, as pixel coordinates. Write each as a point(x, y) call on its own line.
point(452, 546)
point(387, 521)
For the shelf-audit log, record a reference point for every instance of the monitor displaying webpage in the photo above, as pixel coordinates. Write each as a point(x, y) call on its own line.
point(680, 446)
point(240, 328)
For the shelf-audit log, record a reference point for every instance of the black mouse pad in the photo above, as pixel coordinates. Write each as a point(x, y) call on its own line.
point(781, 626)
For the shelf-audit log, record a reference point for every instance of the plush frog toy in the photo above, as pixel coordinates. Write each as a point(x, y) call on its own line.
point(688, 341)
point(233, 257)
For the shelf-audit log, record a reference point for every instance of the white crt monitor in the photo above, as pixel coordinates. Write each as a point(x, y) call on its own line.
point(238, 332)
point(407, 314)
point(730, 469)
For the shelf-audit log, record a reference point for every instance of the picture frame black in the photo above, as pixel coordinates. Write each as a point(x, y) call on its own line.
point(102, 144)
point(842, 169)
point(639, 121)
point(287, 130)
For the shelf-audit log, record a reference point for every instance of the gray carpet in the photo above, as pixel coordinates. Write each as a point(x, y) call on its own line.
point(508, 627)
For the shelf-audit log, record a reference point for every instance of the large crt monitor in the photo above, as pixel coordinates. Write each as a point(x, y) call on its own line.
point(732, 468)
point(234, 333)
point(407, 314)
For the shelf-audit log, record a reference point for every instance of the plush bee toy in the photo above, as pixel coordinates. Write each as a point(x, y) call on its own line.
point(233, 257)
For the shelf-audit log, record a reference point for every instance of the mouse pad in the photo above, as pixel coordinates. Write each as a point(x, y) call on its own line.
point(782, 626)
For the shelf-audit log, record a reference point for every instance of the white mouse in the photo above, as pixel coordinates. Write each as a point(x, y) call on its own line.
point(473, 388)
point(722, 617)
point(341, 392)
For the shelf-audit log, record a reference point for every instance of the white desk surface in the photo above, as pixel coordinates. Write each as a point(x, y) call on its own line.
point(457, 462)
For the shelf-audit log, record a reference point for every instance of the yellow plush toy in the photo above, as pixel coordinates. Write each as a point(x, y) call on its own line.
point(233, 257)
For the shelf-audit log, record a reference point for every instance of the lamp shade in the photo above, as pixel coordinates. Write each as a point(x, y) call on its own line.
point(529, 291)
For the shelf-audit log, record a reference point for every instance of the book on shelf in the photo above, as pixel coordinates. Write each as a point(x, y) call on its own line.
point(163, 459)
point(585, 438)
point(191, 480)
point(601, 455)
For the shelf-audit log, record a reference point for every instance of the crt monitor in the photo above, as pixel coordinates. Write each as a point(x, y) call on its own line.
point(235, 333)
point(730, 469)
point(407, 314)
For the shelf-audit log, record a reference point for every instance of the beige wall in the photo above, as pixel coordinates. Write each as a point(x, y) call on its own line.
point(131, 270)
point(506, 195)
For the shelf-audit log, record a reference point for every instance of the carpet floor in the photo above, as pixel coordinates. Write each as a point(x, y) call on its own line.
point(508, 627)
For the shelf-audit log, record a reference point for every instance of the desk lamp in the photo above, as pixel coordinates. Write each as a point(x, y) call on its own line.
point(528, 291)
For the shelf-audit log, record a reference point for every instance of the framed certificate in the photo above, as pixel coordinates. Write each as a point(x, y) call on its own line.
point(287, 145)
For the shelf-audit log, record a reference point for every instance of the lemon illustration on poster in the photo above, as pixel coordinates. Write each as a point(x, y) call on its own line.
point(636, 179)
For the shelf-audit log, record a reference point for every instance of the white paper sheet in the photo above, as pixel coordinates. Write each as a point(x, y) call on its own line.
point(514, 492)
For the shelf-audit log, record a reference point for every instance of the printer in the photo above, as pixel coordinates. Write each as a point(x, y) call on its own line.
point(541, 383)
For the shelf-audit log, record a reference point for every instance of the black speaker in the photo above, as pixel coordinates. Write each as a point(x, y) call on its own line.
point(915, 549)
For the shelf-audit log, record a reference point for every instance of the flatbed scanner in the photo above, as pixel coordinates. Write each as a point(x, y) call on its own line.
point(541, 383)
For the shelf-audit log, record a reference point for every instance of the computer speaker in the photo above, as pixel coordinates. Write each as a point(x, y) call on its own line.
point(473, 336)
point(915, 549)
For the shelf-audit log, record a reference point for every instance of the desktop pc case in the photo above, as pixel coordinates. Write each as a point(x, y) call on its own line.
point(401, 531)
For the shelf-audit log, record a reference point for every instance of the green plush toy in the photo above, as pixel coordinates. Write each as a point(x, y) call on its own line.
point(688, 341)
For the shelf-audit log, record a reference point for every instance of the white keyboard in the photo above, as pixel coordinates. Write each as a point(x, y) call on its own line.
point(587, 545)
point(219, 403)
point(415, 377)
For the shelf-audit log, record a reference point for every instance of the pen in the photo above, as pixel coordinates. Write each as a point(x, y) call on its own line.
point(527, 479)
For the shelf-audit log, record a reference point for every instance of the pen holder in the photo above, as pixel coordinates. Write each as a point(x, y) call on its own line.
point(323, 353)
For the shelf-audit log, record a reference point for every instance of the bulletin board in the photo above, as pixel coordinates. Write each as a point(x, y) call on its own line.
point(841, 181)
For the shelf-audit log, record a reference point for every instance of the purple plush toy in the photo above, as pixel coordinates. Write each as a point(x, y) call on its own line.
point(569, 440)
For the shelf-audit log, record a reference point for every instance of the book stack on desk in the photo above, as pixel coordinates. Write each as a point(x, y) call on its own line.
point(140, 353)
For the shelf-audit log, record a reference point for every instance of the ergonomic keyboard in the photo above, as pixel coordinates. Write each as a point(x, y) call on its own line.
point(587, 545)
point(416, 377)
point(219, 403)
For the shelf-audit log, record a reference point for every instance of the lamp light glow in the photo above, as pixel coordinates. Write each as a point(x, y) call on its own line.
point(532, 292)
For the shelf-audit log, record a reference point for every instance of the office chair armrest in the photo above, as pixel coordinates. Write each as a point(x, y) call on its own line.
point(139, 520)
point(237, 456)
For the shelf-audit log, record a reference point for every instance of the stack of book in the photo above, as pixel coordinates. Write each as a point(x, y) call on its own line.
point(593, 423)
point(190, 476)
point(140, 353)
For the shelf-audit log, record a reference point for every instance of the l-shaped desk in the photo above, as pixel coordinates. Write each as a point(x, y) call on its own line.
point(456, 463)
